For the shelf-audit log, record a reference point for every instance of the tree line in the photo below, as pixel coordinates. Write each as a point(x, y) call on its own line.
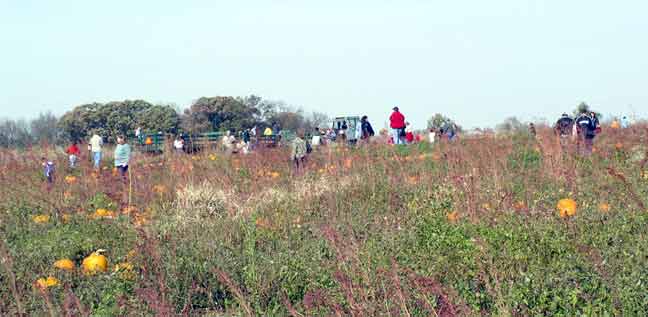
point(206, 114)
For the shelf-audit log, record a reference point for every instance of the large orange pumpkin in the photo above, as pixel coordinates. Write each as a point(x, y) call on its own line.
point(95, 263)
point(566, 207)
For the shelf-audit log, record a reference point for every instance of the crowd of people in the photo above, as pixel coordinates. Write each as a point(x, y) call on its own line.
point(580, 130)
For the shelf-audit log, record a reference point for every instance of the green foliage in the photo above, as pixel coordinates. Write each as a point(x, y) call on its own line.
point(219, 113)
point(346, 239)
point(118, 117)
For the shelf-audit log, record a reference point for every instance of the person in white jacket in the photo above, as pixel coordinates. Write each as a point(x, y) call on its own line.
point(95, 147)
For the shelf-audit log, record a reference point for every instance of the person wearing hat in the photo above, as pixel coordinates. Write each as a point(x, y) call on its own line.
point(397, 124)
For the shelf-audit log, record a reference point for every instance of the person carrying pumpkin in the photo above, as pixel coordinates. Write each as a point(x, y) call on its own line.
point(122, 156)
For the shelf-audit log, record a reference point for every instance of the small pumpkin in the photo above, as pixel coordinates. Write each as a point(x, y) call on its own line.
point(125, 270)
point(44, 283)
point(604, 207)
point(566, 207)
point(64, 264)
point(95, 263)
point(41, 218)
point(129, 210)
point(103, 213)
point(519, 205)
point(70, 179)
point(160, 189)
point(453, 216)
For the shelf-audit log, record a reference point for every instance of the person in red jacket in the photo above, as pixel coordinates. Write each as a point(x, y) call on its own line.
point(73, 153)
point(397, 124)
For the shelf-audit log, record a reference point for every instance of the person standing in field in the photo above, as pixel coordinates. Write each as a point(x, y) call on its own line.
point(595, 122)
point(298, 150)
point(178, 145)
point(48, 171)
point(563, 129)
point(316, 139)
point(532, 129)
point(122, 156)
point(73, 153)
point(95, 147)
point(397, 124)
point(586, 131)
point(342, 131)
point(625, 123)
point(432, 135)
point(246, 136)
point(366, 128)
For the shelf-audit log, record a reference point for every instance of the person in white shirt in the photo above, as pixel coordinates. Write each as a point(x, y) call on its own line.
point(95, 147)
point(178, 144)
point(432, 136)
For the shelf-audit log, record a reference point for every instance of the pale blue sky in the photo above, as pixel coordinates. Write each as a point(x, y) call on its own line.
point(476, 61)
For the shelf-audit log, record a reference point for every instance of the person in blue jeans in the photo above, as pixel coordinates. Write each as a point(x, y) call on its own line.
point(95, 147)
point(397, 124)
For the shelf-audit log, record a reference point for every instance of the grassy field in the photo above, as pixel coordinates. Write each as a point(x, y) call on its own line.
point(462, 229)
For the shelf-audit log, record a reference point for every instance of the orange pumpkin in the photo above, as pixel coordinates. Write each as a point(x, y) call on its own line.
point(519, 205)
point(453, 216)
point(70, 179)
point(44, 283)
point(64, 264)
point(95, 263)
point(566, 207)
point(604, 207)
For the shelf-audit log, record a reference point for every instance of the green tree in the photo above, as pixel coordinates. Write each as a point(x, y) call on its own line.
point(117, 117)
point(439, 121)
point(159, 118)
point(219, 113)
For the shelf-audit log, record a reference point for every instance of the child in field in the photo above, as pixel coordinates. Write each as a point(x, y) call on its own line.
point(73, 153)
point(48, 170)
